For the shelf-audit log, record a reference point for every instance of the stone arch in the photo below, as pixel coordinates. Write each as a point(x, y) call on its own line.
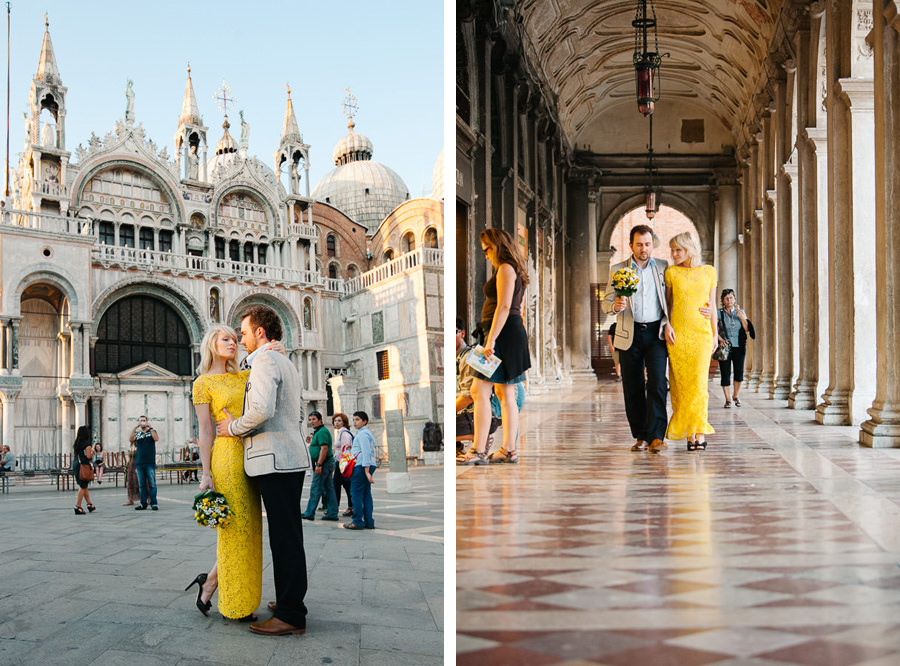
point(54, 275)
point(183, 303)
point(682, 205)
point(271, 209)
point(263, 296)
point(148, 170)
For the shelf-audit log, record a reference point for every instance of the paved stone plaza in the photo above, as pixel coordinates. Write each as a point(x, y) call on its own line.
point(113, 594)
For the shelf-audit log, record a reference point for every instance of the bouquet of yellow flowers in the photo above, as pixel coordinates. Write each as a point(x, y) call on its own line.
point(625, 281)
point(211, 509)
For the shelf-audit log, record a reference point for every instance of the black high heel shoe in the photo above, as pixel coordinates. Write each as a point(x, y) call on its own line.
point(249, 618)
point(201, 605)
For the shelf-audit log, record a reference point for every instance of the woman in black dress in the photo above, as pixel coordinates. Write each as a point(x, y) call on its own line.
point(501, 319)
point(83, 452)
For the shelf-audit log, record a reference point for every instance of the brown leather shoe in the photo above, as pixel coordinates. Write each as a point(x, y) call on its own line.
point(639, 445)
point(272, 606)
point(657, 445)
point(275, 627)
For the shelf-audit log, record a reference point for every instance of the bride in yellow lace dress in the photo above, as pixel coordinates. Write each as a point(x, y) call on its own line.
point(691, 339)
point(238, 569)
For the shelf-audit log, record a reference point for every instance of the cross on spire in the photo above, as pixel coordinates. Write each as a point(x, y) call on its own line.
point(351, 108)
point(46, 17)
point(223, 99)
point(288, 86)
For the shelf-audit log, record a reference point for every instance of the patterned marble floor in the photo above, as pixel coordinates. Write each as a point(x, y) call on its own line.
point(778, 546)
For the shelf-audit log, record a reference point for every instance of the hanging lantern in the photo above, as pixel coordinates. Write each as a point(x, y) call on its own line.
point(650, 208)
point(646, 62)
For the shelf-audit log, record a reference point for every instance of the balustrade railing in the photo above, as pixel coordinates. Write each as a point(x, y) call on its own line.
point(50, 188)
point(58, 224)
point(303, 230)
point(422, 257)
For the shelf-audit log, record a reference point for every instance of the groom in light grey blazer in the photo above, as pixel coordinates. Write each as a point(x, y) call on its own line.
point(276, 459)
point(640, 330)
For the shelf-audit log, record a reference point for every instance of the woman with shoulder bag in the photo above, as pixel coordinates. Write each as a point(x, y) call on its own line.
point(82, 450)
point(733, 329)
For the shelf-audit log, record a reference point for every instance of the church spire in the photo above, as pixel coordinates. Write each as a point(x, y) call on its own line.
point(190, 112)
point(47, 70)
point(290, 131)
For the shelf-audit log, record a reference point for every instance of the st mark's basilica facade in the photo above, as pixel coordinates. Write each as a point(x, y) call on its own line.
point(116, 259)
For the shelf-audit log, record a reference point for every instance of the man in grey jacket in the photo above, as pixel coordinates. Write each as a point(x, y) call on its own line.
point(276, 458)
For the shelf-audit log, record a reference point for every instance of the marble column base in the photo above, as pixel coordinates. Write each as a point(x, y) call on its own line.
point(882, 431)
point(752, 381)
point(803, 396)
point(782, 389)
point(766, 383)
point(835, 410)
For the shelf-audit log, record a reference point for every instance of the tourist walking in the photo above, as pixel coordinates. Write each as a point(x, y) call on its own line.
point(343, 445)
point(501, 319)
point(361, 480)
point(691, 338)
point(734, 327)
point(219, 387)
point(640, 326)
point(82, 450)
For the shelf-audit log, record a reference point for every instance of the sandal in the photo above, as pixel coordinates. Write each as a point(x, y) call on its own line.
point(728, 404)
point(472, 458)
point(504, 456)
point(737, 402)
point(79, 511)
point(700, 446)
point(91, 508)
point(691, 446)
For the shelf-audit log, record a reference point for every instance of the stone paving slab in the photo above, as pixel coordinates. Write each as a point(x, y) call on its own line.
point(106, 588)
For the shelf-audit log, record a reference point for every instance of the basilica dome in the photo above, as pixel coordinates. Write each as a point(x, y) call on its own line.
point(365, 190)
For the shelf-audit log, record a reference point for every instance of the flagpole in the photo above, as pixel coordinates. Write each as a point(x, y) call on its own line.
point(6, 195)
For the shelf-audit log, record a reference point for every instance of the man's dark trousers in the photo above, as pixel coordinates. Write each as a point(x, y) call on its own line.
point(281, 495)
point(645, 402)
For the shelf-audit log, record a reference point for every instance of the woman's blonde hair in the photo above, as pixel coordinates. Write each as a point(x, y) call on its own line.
point(208, 349)
point(686, 241)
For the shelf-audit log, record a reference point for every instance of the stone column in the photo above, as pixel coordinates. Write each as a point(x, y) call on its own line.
point(882, 429)
point(96, 432)
point(768, 336)
point(852, 256)
point(580, 255)
point(80, 400)
point(14, 347)
point(728, 225)
point(756, 288)
point(782, 271)
point(344, 392)
point(76, 333)
point(4, 347)
point(8, 398)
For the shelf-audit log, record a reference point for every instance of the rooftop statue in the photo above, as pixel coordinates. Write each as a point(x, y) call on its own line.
point(245, 134)
point(129, 96)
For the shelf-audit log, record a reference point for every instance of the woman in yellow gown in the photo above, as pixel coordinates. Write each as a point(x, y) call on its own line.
point(238, 570)
point(691, 339)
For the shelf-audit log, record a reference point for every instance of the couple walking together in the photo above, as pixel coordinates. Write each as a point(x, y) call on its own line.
point(260, 453)
point(668, 318)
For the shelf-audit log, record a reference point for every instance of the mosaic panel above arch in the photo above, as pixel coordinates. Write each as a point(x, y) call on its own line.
point(242, 209)
point(126, 186)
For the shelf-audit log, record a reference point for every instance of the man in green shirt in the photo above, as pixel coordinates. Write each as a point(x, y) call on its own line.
point(320, 453)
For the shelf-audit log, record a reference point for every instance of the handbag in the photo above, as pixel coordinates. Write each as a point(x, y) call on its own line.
point(346, 465)
point(723, 351)
point(85, 472)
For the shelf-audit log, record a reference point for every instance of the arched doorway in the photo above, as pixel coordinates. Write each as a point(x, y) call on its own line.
point(667, 222)
point(45, 316)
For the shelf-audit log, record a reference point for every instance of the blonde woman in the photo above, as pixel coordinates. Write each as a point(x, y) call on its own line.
point(691, 338)
point(220, 386)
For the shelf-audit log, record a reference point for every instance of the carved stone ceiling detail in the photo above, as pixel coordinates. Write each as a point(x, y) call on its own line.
point(716, 53)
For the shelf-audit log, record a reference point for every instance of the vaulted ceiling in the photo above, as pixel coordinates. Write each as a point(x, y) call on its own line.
point(716, 59)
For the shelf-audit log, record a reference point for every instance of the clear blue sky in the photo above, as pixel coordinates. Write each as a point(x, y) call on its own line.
point(390, 55)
